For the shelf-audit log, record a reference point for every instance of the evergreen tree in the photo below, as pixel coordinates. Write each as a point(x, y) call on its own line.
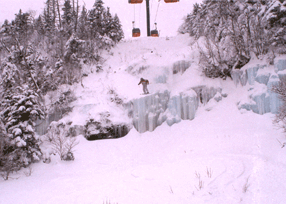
point(72, 59)
point(11, 76)
point(275, 23)
point(68, 19)
point(7, 35)
point(54, 34)
point(6, 29)
point(23, 26)
point(20, 108)
point(95, 18)
point(50, 14)
point(39, 25)
point(115, 30)
point(21, 67)
point(235, 29)
point(106, 22)
point(83, 25)
point(8, 159)
point(48, 19)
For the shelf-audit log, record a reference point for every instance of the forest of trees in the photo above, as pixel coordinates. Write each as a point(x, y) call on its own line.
point(236, 30)
point(37, 55)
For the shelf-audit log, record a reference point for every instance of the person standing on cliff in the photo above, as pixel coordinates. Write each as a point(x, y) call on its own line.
point(144, 83)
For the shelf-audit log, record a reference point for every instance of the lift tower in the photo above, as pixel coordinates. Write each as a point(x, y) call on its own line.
point(148, 17)
point(148, 11)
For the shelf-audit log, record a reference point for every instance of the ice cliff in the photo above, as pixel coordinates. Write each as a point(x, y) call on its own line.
point(259, 79)
point(177, 88)
point(151, 111)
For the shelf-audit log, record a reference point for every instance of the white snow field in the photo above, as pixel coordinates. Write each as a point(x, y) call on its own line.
point(223, 155)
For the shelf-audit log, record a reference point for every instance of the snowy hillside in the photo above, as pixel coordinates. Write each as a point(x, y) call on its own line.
point(164, 62)
point(190, 142)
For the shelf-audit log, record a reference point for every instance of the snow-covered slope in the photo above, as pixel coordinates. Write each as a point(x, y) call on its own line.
point(176, 85)
point(223, 155)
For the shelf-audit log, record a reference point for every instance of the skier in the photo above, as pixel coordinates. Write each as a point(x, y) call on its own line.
point(144, 82)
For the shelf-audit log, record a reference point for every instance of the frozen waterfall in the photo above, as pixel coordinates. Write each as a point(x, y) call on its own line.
point(150, 111)
point(261, 79)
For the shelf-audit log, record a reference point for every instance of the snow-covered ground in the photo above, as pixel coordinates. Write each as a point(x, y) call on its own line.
point(224, 155)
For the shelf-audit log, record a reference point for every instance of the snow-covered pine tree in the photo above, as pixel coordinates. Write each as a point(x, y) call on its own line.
point(23, 25)
point(11, 76)
point(7, 158)
point(39, 26)
point(72, 58)
point(106, 21)
point(275, 22)
point(20, 108)
point(50, 14)
point(95, 18)
point(68, 19)
point(115, 31)
point(27, 61)
point(83, 25)
point(6, 33)
point(235, 29)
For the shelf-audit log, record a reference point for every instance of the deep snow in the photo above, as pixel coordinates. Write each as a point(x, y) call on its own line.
point(223, 155)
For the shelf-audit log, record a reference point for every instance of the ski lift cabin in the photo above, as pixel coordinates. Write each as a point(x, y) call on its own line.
point(154, 33)
point(135, 32)
point(135, 1)
point(171, 1)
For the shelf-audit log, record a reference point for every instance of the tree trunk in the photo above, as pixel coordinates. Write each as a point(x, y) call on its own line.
point(249, 38)
point(54, 12)
point(76, 17)
point(73, 6)
point(59, 13)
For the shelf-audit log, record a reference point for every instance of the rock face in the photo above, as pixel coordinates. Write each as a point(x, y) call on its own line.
point(260, 80)
point(105, 129)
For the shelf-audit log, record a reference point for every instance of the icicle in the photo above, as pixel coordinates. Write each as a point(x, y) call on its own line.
point(280, 65)
point(251, 74)
point(275, 102)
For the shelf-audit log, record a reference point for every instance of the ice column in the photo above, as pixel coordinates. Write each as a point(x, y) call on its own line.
point(147, 109)
point(152, 110)
point(275, 102)
point(280, 65)
point(182, 106)
point(251, 74)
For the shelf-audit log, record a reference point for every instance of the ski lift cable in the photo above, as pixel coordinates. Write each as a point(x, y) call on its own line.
point(134, 15)
point(140, 15)
point(157, 10)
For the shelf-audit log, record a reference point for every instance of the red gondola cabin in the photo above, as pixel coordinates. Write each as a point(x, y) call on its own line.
point(171, 1)
point(154, 33)
point(135, 32)
point(135, 1)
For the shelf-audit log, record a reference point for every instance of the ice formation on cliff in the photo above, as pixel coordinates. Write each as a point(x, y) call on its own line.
point(260, 79)
point(150, 111)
